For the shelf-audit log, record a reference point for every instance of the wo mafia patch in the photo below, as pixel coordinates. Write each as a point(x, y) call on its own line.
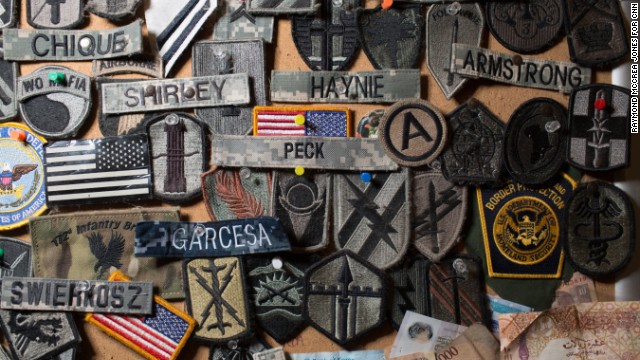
point(231, 194)
point(178, 146)
point(599, 122)
point(522, 228)
point(8, 13)
point(8, 79)
point(16, 258)
point(600, 229)
point(114, 10)
point(372, 218)
point(474, 154)
point(217, 298)
point(301, 121)
point(55, 14)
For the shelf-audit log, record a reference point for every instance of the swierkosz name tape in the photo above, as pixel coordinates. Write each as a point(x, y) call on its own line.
point(170, 94)
point(42, 294)
point(72, 45)
point(383, 86)
point(472, 61)
point(210, 239)
point(311, 152)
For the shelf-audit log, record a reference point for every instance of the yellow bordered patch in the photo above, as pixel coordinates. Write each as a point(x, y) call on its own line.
point(301, 121)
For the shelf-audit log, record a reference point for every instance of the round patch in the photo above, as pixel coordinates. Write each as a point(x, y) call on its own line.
point(526, 230)
point(526, 27)
point(22, 192)
point(412, 132)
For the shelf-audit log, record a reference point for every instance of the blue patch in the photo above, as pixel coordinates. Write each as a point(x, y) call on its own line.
point(326, 123)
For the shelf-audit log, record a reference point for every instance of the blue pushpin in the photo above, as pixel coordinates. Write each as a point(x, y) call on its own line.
point(365, 177)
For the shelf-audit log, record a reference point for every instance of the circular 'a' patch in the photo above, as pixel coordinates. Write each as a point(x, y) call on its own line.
point(536, 141)
point(54, 101)
point(412, 132)
point(22, 193)
point(600, 229)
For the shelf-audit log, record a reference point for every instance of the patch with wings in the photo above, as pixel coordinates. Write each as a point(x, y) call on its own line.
point(109, 254)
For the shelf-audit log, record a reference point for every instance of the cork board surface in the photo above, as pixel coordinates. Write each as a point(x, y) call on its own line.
point(282, 55)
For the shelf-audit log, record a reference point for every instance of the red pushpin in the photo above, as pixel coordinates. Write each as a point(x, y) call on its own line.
point(17, 134)
point(600, 104)
point(386, 4)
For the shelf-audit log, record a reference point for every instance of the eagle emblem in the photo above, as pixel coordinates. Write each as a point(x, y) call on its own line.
point(9, 175)
point(525, 229)
point(108, 255)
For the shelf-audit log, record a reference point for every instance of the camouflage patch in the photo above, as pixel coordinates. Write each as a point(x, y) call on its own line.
point(26, 293)
point(231, 57)
point(91, 245)
point(114, 10)
point(475, 62)
point(413, 132)
point(346, 297)
point(16, 258)
point(599, 128)
point(271, 354)
point(301, 121)
point(391, 38)
point(521, 228)
point(55, 110)
point(282, 7)
point(236, 193)
point(536, 141)
point(368, 124)
point(178, 145)
point(144, 64)
point(447, 24)
point(243, 350)
point(4, 355)
point(382, 86)
point(45, 14)
point(8, 78)
point(527, 27)
point(22, 190)
point(328, 40)
point(217, 299)
point(302, 204)
point(79, 45)
point(600, 229)
point(439, 213)
point(235, 23)
point(8, 16)
point(596, 33)
point(372, 219)
point(474, 154)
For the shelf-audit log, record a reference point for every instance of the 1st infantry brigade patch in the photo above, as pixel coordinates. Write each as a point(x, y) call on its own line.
point(217, 299)
point(522, 231)
point(16, 258)
point(236, 193)
point(8, 104)
point(56, 14)
point(345, 297)
point(301, 121)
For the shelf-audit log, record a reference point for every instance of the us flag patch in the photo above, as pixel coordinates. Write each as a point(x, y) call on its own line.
point(300, 121)
point(87, 171)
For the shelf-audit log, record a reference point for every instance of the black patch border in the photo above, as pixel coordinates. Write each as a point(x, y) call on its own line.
point(16, 74)
point(23, 243)
point(81, 18)
point(15, 13)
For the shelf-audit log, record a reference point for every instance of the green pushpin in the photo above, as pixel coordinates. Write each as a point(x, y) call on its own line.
point(57, 77)
point(1, 253)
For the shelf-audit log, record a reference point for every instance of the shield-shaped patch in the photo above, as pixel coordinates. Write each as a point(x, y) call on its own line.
point(372, 218)
point(16, 258)
point(8, 15)
point(55, 14)
point(439, 211)
point(8, 75)
point(391, 38)
point(599, 127)
point(115, 10)
point(328, 41)
point(236, 193)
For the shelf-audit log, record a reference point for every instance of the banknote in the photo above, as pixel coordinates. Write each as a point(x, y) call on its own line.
point(416, 356)
point(271, 354)
point(501, 306)
point(342, 355)
point(594, 331)
point(577, 290)
point(475, 343)
point(419, 333)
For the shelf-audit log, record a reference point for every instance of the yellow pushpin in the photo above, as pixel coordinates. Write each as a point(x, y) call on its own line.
point(299, 170)
point(299, 120)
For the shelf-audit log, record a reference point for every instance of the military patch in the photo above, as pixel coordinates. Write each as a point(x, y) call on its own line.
point(8, 14)
point(346, 297)
point(69, 354)
point(235, 23)
point(302, 204)
point(22, 191)
point(475, 62)
point(439, 211)
point(114, 10)
point(55, 14)
point(600, 229)
point(236, 193)
point(15, 259)
point(282, 7)
point(301, 121)
point(72, 45)
point(526, 27)
point(447, 24)
point(328, 40)
point(178, 156)
point(596, 34)
point(4, 355)
point(372, 218)
point(368, 124)
point(8, 79)
point(54, 109)
point(413, 132)
point(233, 350)
point(391, 38)
point(521, 227)
point(474, 153)
point(145, 64)
point(451, 290)
point(217, 299)
point(231, 57)
point(90, 245)
point(536, 141)
point(38, 334)
point(599, 128)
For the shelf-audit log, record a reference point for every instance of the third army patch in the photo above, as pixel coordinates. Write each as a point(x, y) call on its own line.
point(236, 193)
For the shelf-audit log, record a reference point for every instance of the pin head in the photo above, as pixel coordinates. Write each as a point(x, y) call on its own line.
point(600, 104)
point(1, 253)
point(299, 119)
point(299, 170)
point(57, 77)
point(18, 135)
point(365, 177)
point(386, 4)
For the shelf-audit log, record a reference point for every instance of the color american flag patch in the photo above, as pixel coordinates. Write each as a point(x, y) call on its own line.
point(274, 121)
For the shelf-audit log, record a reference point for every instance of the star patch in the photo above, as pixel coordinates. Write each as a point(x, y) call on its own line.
point(8, 78)
point(301, 121)
point(56, 14)
point(16, 258)
point(346, 297)
point(236, 193)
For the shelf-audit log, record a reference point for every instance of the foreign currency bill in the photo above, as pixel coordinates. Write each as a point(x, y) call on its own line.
point(419, 333)
point(501, 306)
point(342, 355)
point(416, 356)
point(475, 343)
point(577, 290)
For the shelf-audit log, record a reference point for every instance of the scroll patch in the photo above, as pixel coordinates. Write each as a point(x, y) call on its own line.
point(46, 14)
point(142, 64)
point(301, 121)
point(16, 258)
point(236, 193)
point(8, 105)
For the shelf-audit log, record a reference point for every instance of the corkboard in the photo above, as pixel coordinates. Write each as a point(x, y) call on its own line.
point(282, 55)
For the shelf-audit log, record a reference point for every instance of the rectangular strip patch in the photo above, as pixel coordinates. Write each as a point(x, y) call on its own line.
point(141, 64)
point(311, 152)
point(476, 62)
point(72, 45)
point(170, 94)
point(27, 293)
point(381, 86)
point(301, 121)
point(284, 7)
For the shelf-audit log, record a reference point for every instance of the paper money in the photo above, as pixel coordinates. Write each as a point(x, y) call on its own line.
point(475, 343)
point(419, 333)
point(594, 331)
point(501, 306)
point(416, 356)
point(577, 290)
point(342, 355)
point(271, 354)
